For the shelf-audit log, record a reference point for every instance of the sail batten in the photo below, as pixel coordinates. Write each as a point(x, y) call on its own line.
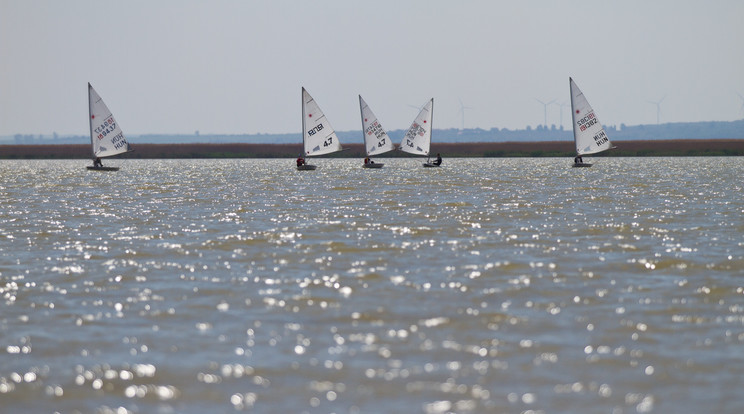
point(589, 135)
point(418, 137)
point(106, 136)
point(376, 140)
point(318, 136)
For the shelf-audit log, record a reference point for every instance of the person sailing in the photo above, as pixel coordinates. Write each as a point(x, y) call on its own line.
point(300, 161)
point(438, 161)
point(97, 163)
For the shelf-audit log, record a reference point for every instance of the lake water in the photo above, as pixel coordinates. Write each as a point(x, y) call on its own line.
point(484, 286)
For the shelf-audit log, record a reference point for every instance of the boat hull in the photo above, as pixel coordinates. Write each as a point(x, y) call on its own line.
point(373, 165)
point(581, 164)
point(102, 168)
point(430, 165)
point(306, 167)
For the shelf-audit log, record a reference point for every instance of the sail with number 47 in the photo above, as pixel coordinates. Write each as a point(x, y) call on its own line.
point(376, 140)
point(318, 136)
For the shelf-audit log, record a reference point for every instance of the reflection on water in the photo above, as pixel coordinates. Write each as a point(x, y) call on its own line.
point(488, 285)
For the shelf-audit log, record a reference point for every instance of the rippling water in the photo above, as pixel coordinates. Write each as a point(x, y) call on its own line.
point(489, 285)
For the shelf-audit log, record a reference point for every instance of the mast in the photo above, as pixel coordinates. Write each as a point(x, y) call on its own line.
point(431, 134)
point(302, 98)
point(90, 122)
point(361, 116)
point(573, 123)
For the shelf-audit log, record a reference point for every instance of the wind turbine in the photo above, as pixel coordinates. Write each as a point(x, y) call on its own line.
point(658, 108)
point(545, 110)
point(562, 105)
point(462, 114)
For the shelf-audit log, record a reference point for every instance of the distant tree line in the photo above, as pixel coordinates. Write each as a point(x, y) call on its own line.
point(677, 130)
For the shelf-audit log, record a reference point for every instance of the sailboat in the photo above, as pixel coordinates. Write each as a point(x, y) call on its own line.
point(418, 137)
point(589, 136)
point(318, 136)
point(106, 137)
point(376, 140)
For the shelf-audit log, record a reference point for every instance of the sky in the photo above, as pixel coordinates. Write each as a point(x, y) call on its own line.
point(238, 66)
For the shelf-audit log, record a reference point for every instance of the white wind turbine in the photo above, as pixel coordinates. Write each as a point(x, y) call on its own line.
point(562, 105)
point(462, 114)
point(658, 108)
point(417, 108)
point(545, 110)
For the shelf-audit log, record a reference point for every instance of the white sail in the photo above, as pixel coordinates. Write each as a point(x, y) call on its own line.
point(418, 137)
point(376, 140)
point(318, 136)
point(106, 137)
point(589, 136)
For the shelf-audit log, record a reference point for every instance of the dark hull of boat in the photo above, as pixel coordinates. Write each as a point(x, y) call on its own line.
point(581, 164)
point(306, 167)
point(430, 165)
point(103, 168)
point(373, 165)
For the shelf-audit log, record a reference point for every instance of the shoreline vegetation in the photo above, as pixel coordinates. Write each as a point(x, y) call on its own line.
point(654, 148)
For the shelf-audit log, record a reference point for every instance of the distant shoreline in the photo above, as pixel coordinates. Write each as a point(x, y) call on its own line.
point(655, 148)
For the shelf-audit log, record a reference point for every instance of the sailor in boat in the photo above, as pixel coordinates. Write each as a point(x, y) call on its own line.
point(300, 161)
point(438, 161)
point(578, 160)
point(97, 163)
point(368, 161)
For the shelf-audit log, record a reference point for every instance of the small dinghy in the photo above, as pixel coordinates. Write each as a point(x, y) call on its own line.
point(318, 137)
point(106, 137)
point(589, 136)
point(376, 140)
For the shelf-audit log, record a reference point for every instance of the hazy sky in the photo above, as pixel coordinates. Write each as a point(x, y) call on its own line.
point(237, 66)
